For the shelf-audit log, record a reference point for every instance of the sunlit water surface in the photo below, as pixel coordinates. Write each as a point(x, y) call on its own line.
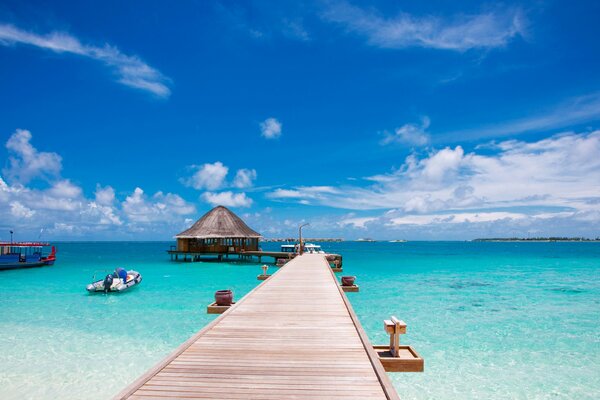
point(492, 320)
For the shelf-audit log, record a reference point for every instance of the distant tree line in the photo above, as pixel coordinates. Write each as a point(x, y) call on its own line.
point(539, 239)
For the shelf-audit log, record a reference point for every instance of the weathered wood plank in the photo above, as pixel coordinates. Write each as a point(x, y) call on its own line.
point(294, 336)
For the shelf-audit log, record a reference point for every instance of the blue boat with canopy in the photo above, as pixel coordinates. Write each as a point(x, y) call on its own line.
point(14, 255)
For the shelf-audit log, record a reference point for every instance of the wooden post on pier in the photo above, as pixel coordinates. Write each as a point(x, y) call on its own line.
point(397, 357)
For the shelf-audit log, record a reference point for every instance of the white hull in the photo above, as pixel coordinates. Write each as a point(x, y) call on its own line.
point(118, 285)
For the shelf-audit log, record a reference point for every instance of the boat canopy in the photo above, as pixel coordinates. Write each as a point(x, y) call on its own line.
point(24, 244)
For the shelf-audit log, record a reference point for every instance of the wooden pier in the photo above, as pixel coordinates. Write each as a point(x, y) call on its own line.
point(177, 255)
point(295, 336)
point(250, 255)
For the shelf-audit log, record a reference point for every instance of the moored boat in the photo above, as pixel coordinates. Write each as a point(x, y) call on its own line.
point(15, 255)
point(118, 281)
point(307, 248)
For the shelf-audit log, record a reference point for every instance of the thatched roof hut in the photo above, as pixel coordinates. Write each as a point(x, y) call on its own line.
point(220, 222)
point(218, 231)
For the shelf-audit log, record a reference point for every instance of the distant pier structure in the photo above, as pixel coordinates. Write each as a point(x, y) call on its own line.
point(220, 234)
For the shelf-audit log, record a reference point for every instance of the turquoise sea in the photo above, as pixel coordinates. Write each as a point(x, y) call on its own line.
point(492, 320)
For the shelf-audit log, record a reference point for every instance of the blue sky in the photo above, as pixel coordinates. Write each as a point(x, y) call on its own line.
point(385, 119)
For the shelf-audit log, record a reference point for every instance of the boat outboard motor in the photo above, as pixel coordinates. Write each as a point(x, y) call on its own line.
point(108, 281)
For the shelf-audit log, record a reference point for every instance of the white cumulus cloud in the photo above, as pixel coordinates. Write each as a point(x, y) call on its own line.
point(561, 173)
point(244, 178)
point(26, 162)
point(103, 214)
point(270, 128)
point(410, 134)
point(138, 207)
point(63, 210)
point(441, 164)
point(227, 199)
point(208, 176)
point(20, 211)
point(105, 195)
point(213, 177)
point(65, 189)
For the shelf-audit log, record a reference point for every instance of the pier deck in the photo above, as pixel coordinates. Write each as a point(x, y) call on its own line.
point(295, 336)
point(257, 253)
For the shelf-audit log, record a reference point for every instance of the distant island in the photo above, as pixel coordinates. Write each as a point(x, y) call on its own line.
point(538, 239)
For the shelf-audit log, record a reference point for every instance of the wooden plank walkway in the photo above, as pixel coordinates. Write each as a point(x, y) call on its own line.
point(295, 336)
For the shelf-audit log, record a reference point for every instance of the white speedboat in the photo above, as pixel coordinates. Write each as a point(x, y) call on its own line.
point(308, 248)
point(313, 248)
point(118, 281)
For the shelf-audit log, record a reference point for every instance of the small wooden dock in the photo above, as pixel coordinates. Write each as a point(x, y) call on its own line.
point(250, 255)
point(177, 255)
point(295, 336)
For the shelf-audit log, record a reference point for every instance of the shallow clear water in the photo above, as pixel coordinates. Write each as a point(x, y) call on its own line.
point(492, 320)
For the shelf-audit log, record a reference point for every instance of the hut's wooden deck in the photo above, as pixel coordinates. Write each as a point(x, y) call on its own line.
point(293, 337)
point(257, 253)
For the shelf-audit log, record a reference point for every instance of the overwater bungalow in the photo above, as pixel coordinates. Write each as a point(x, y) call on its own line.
point(219, 232)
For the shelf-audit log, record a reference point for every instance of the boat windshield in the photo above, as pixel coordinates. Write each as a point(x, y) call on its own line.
point(312, 248)
point(288, 248)
point(308, 248)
